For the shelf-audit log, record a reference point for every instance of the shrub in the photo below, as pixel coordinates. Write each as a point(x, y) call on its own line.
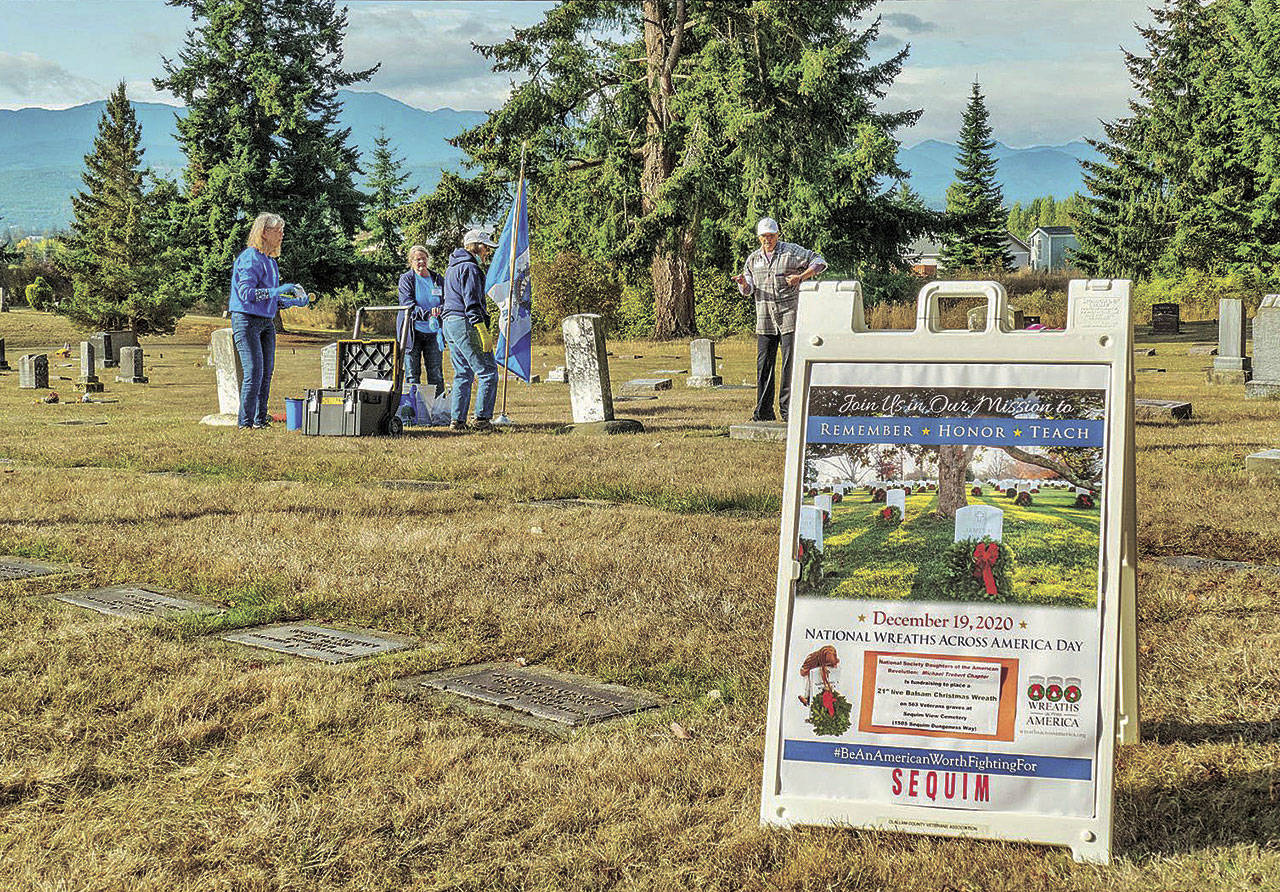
point(977, 491)
point(1197, 293)
point(568, 284)
point(40, 295)
point(635, 310)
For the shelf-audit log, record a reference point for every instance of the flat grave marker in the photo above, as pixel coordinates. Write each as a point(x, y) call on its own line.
point(1193, 563)
point(135, 600)
point(559, 697)
point(12, 568)
point(1161, 410)
point(648, 384)
point(415, 484)
point(319, 642)
point(758, 430)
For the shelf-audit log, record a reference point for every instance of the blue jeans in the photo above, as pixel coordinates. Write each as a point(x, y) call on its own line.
point(255, 339)
point(425, 350)
point(471, 362)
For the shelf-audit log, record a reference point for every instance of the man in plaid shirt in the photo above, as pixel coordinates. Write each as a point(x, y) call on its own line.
point(773, 273)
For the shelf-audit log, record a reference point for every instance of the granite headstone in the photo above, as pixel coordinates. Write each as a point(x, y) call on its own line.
point(88, 380)
point(702, 364)
point(33, 371)
point(585, 357)
point(1266, 350)
point(131, 368)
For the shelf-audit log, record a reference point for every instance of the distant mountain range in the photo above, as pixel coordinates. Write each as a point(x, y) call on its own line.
point(42, 154)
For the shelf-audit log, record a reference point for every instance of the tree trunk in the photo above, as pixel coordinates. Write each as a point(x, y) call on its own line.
point(952, 463)
point(672, 278)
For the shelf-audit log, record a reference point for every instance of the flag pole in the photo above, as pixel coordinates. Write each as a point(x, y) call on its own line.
point(511, 272)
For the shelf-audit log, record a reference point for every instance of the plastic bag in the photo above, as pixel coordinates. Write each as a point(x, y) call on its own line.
point(421, 406)
point(440, 409)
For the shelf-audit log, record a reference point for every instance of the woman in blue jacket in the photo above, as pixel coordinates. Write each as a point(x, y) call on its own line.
point(421, 291)
point(256, 295)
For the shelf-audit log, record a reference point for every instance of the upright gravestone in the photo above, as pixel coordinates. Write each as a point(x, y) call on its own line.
point(811, 525)
point(1230, 366)
point(1166, 318)
point(1266, 350)
point(4, 300)
point(975, 522)
point(329, 366)
point(588, 365)
point(702, 364)
point(33, 371)
point(1014, 319)
point(101, 342)
point(897, 498)
point(226, 365)
point(131, 368)
point(88, 380)
point(822, 501)
point(4, 363)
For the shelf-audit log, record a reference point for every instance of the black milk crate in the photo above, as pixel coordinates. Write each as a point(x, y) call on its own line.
point(373, 358)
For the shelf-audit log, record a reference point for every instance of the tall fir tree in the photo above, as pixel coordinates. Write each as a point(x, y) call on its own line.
point(113, 251)
point(259, 79)
point(975, 202)
point(658, 132)
point(387, 194)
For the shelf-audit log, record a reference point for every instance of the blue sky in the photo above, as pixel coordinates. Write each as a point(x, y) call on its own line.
point(1050, 69)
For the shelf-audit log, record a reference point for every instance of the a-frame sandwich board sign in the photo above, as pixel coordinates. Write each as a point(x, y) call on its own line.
point(949, 662)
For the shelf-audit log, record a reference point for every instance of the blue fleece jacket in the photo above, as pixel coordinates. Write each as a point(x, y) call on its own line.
point(464, 289)
point(256, 288)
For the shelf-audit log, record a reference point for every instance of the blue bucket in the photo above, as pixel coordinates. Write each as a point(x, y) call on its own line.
point(292, 414)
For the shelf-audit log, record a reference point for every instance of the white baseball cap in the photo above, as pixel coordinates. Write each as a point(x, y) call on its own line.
point(767, 224)
point(478, 237)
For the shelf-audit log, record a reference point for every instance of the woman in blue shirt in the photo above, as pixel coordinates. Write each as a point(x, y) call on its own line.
point(421, 292)
point(256, 295)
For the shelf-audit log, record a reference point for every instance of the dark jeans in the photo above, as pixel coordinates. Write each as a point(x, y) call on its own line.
point(425, 350)
point(766, 355)
point(255, 339)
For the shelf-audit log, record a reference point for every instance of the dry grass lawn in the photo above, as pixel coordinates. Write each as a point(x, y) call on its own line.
point(147, 755)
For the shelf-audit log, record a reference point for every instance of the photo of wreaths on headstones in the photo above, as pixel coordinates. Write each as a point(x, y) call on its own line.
point(810, 566)
point(830, 711)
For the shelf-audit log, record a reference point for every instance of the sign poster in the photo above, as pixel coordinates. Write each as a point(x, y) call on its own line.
point(943, 649)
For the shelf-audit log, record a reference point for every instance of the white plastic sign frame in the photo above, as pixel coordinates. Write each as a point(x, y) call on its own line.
point(831, 329)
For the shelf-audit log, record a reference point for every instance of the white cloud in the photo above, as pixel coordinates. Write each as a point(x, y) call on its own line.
point(426, 53)
point(28, 79)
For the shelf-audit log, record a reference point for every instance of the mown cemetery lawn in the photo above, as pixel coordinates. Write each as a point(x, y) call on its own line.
point(1053, 547)
point(151, 754)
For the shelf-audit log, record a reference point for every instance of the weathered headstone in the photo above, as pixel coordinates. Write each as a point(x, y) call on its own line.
point(1014, 319)
point(4, 363)
point(88, 380)
point(897, 498)
point(1266, 350)
point(329, 366)
point(33, 371)
point(758, 430)
point(12, 567)
point(822, 501)
point(544, 694)
point(319, 642)
point(584, 355)
point(979, 522)
point(1161, 410)
point(702, 364)
point(101, 342)
point(1166, 318)
point(1230, 366)
point(811, 525)
point(131, 369)
point(558, 375)
point(4, 300)
point(648, 384)
point(226, 364)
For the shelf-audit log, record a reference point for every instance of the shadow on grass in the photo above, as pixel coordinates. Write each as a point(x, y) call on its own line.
point(1217, 809)
point(1204, 732)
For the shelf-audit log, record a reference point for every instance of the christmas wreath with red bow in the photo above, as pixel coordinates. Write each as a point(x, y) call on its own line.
point(829, 713)
point(1085, 500)
point(978, 570)
point(878, 494)
point(890, 515)
point(976, 491)
point(1023, 499)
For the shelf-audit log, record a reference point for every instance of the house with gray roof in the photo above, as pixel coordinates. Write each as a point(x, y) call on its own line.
point(1052, 247)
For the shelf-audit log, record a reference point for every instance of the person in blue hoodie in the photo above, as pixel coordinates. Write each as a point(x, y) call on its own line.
point(422, 290)
point(256, 295)
point(466, 331)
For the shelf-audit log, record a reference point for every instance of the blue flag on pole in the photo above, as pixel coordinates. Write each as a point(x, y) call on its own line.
point(514, 329)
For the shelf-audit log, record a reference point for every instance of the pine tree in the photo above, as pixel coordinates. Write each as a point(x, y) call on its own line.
point(659, 131)
point(974, 199)
point(386, 196)
point(259, 79)
point(112, 252)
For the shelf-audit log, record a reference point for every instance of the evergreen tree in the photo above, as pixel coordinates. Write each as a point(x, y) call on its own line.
point(974, 199)
point(259, 79)
point(386, 195)
point(659, 131)
point(112, 252)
